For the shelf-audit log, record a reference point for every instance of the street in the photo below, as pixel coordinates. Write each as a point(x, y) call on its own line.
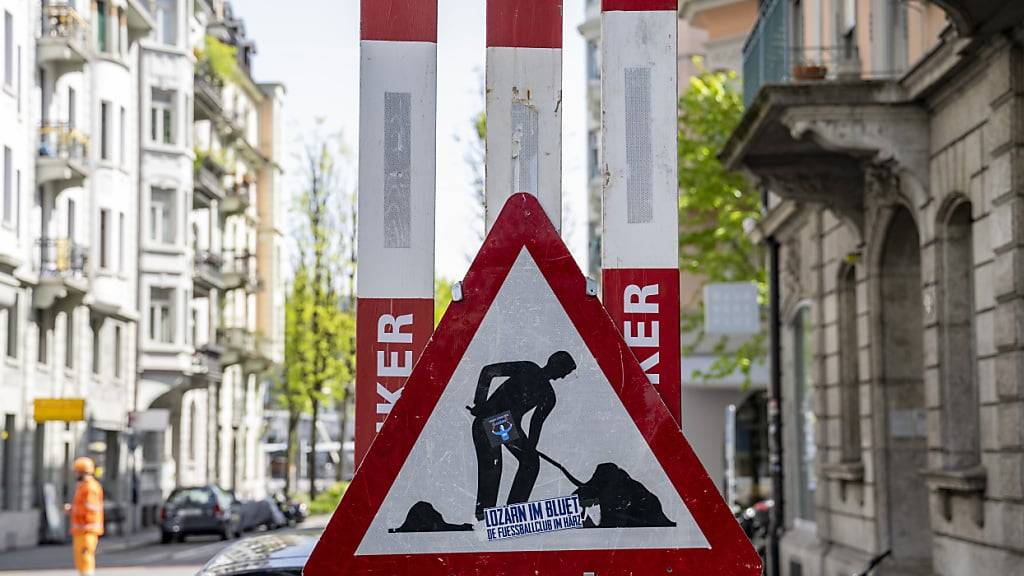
point(118, 556)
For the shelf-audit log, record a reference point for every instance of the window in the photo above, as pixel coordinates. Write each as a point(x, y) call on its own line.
point(118, 354)
point(166, 21)
point(69, 339)
point(120, 242)
point(161, 118)
point(593, 61)
point(105, 239)
point(805, 420)
point(961, 429)
point(105, 130)
point(161, 315)
point(7, 453)
point(17, 202)
point(162, 223)
point(97, 341)
point(12, 329)
point(123, 137)
point(102, 42)
point(8, 216)
point(42, 337)
point(849, 371)
point(71, 220)
point(593, 154)
point(8, 50)
point(72, 109)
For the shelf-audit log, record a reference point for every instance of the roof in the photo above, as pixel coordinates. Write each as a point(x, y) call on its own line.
point(278, 552)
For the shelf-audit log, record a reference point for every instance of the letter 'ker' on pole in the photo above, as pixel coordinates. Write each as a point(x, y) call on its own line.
point(640, 252)
point(397, 126)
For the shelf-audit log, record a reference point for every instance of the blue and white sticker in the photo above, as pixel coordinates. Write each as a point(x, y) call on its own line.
point(528, 518)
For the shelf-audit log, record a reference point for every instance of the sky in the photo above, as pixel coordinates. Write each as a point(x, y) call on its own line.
point(312, 47)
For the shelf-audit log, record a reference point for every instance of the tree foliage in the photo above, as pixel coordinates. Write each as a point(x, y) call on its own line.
point(222, 58)
point(716, 209)
point(319, 319)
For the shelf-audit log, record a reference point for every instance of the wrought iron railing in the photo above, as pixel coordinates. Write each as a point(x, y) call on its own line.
point(62, 21)
point(60, 140)
point(766, 52)
point(60, 257)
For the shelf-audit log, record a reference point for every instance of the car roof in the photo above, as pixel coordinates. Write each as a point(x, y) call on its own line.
point(273, 552)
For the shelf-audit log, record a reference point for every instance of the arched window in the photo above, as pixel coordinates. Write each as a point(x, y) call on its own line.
point(961, 436)
point(804, 419)
point(849, 372)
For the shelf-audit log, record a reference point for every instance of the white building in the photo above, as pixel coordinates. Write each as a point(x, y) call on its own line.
point(139, 255)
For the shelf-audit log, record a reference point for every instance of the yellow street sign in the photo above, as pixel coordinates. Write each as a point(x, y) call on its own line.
point(59, 409)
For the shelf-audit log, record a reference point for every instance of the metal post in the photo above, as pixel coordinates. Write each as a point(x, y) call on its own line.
point(777, 522)
point(524, 104)
point(397, 126)
point(640, 246)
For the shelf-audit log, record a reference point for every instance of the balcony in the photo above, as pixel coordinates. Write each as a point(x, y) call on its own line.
point(209, 182)
point(207, 274)
point(63, 155)
point(206, 364)
point(63, 271)
point(208, 87)
point(766, 51)
point(236, 200)
point(240, 272)
point(238, 343)
point(137, 17)
point(64, 42)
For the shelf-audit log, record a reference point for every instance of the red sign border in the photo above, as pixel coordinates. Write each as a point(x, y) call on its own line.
point(523, 224)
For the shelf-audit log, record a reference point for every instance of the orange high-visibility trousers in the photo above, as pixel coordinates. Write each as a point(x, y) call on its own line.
point(84, 546)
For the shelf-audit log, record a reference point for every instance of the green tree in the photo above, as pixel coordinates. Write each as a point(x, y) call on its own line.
point(716, 208)
point(322, 335)
point(442, 298)
point(291, 388)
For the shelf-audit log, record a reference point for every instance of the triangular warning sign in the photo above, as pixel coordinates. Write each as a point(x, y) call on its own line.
point(528, 441)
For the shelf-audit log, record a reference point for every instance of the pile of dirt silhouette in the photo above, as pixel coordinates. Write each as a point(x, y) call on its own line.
point(422, 517)
point(623, 501)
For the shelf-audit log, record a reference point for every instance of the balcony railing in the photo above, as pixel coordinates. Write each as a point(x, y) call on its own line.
point(209, 179)
point(766, 52)
point(208, 88)
point(208, 269)
point(59, 140)
point(236, 199)
point(240, 271)
point(63, 22)
point(62, 258)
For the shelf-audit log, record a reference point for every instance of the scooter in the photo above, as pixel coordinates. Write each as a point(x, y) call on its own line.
point(294, 511)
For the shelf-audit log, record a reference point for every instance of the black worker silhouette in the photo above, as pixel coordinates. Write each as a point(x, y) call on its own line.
point(498, 422)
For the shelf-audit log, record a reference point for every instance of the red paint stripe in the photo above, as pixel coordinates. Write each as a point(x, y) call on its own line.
point(524, 23)
point(637, 5)
point(399, 20)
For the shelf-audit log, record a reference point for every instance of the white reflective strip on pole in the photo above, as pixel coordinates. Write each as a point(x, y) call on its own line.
point(524, 128)
point(397, 129)
point(638, 100)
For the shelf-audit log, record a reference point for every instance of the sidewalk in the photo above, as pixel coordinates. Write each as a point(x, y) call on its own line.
point(46, 554)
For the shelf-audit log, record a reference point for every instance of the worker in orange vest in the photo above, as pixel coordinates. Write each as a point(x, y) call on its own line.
point(86, 516)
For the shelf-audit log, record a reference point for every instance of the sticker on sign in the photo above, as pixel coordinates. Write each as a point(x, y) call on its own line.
point(528, 518)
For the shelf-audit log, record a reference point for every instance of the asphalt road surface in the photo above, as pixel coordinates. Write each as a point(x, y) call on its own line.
point(140, 554)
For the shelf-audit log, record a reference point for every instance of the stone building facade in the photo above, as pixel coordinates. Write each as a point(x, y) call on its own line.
point(897, 202)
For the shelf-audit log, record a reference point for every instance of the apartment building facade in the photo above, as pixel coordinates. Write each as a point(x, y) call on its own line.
point(712, 30)
point(103, 283)
point(888, 136)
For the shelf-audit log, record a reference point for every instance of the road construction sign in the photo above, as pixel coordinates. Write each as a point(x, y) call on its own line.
point(528, 440)
point(59, 409)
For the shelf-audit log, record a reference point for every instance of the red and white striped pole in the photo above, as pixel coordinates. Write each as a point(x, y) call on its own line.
point(524, 97)
point(640, 276)
point(397, 126)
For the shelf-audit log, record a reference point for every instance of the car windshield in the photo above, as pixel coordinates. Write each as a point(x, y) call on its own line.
point(191, 497)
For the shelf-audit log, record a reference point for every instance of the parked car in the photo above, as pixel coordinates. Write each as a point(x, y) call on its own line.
point(262, 514)
point(200, 510)
point(267, 555)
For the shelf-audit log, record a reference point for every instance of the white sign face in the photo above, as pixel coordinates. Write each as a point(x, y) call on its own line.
point(731, 308)
point(529, 416)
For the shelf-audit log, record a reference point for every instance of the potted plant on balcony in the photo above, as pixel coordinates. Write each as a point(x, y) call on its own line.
point(809, 70)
